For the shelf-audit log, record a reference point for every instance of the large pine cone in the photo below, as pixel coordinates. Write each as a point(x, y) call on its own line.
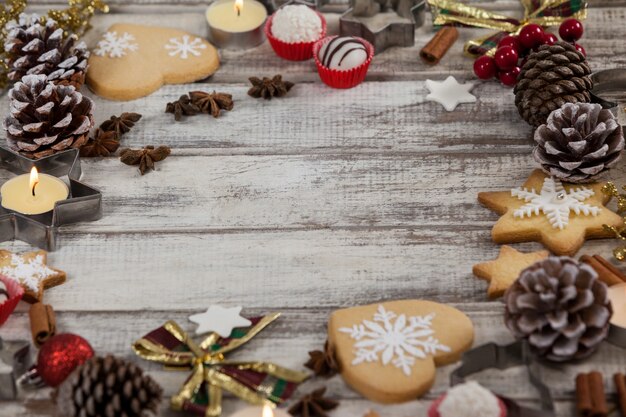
point(46, 118)
point(579, 142)
point(108, 387)
point(561, 307)
point(552, 76)
point(36, 48)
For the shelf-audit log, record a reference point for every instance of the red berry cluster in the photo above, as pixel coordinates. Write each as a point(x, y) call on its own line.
point(512, 50)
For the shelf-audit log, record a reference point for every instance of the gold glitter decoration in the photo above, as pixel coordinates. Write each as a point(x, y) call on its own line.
point(620, 233)
point(8, 11)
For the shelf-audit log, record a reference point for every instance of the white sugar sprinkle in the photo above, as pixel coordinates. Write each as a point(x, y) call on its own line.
point(29, 273)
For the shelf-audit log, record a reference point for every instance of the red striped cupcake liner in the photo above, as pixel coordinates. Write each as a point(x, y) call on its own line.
point(16, 292)
point(294, 51)
point(342, 78)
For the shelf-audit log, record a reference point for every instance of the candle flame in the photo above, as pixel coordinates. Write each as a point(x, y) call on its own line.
point(34, 180)
point(267, 410)
point(238, 6)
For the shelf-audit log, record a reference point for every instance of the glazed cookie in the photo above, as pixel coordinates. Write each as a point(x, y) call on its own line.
point(132, 61)
point(31, 271)
point(389, 352)
point(559, 216)
point(502, 272)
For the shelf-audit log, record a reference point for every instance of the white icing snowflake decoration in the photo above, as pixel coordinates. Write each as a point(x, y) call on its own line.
point(399, 341)
point(185, 47)
point(554, 202)
point(28, 273)
point(115, 46)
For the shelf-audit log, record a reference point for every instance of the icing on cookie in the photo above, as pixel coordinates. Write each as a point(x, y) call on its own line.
point(115, 46)
point(183, 47)
point(29, 273)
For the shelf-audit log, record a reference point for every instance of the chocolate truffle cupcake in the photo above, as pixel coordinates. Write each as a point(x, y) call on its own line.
point(293, 30)
point(342, 62)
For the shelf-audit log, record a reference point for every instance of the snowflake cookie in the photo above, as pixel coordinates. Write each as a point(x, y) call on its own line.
point(389, 351)
point(31, 271)
point(132, 61)
point(560, 216)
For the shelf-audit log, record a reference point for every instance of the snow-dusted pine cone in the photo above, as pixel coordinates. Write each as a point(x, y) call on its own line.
point(552, 76)
point(108, 387)
point(46, 118)
point(36, 48)
point(579, 142)
point(560, 307)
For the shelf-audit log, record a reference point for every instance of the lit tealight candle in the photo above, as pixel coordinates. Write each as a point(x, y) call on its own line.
point(265, 411)
point(33, 193)
point(236, 23)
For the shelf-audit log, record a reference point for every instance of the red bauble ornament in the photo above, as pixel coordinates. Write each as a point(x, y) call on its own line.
point(550, 38)
point(509, 78)
point(485, 67)
point(580, 49)
point(506, 58)
point(60, 355)
point(531, 36)
point(571, 30)
point(511, 41)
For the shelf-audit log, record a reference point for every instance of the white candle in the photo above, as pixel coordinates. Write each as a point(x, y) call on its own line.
point(236, 15)
point(33, 193)
point(265, 411)
point(617, 295)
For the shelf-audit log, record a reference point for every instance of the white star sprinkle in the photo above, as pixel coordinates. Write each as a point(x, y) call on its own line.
point(450, 93)
point(220, 320)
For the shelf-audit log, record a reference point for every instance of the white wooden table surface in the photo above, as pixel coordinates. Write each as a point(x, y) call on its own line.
point(322, 200)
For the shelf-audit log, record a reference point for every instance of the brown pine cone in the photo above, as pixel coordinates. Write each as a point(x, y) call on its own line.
point(108, 387)
point(46, 118)
point(36, 48)
point(552, 76)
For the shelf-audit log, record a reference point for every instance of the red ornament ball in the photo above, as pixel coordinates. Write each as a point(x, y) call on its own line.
point(550, 39)
point(580, 49)
point(531, 36)
point(511, 41)
point(60, 355)
point(506, 58)
point(571, 30)
point(485, 67)
point(509, 78)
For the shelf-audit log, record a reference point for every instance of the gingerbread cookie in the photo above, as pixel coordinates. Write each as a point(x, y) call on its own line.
point(502, 272)
point(132, 61)
point(560, 216)
point(389, 351)
point(31, 271)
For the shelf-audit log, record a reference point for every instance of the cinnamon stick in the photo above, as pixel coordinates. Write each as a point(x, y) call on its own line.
point(439, 45)
point(620, 388)
point(607, 272)
point(42, 323)
point(598, 399)
point(583, 396)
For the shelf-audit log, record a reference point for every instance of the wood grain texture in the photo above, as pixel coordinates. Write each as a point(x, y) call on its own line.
point(336, 198)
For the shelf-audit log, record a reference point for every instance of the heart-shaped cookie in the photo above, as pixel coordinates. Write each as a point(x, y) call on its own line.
point(389, 351)
point(132, 61)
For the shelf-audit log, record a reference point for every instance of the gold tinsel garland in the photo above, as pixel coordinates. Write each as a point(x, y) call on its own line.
point(619, 232)
point(73, 19)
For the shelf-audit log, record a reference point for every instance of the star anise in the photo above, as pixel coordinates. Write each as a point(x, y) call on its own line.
point(313, 404)
point(269, 87)
point(182, 107)
point(102, 144)
point(121, 124)
point(322, 363)
point(145, 157)
point(212, 103)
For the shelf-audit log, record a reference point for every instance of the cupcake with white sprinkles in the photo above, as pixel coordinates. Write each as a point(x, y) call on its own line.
point(11, 293)
point(343, 61)
point(293, 30)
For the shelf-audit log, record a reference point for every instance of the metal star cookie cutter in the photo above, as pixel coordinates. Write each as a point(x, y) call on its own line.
point(612, 83)
point(83, 204)
point(14, 360)
point(383, 30)
point(500, 357)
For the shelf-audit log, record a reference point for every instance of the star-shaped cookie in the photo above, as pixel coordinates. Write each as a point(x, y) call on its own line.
point(450, 93)
point(504, 270)
point(560, 216)
point(31, 271)
point(220, 320)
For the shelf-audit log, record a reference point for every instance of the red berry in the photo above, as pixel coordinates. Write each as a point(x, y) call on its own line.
point(511, 41)
point(509, 78)
point(531, 35)
point(550, 38)
point(485, 67)
point(506, 58)
point(580, 49)
point(571, 30)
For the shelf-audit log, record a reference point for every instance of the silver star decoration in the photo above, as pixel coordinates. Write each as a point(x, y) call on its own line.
point(220, 320)
point(450, 93)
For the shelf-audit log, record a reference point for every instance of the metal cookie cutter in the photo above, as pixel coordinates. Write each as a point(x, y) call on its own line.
point(609, 83)
point(14, 360)
point(503, 357)
point(383, 23)
point(83, 204)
